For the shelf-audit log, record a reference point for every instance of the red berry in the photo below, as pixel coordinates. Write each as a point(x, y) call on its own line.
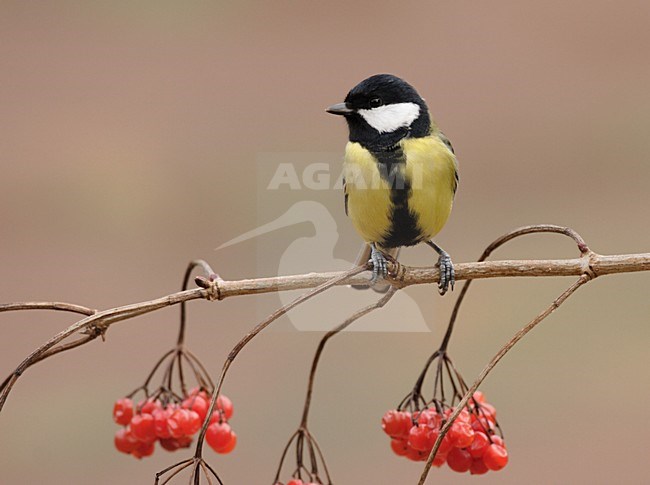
point(142, 428)
point(172, 444)
point(479, 397)
point(184, 441)
point(488, 410)
point(217, 417)
point(430, 418)
point(198, 404)
point(390, 423)
point(125, 441)
point(143, 449)
point(463, 417)
point(495, 457)
point(421, 438)
point(439, 459)
point(478, 467)
point(197, 391)
point(160, 417)
point(445, 444)
point(459, 460)
point(396, 424)
point(123, 411)
point(219, 436)
point(495, 438)
point(461, 434)
point(224, 404)
point(295, 481)
point(416, 455)
point(479, 445)
point(482, 423)
point(169, 444)
point(149, 406)
point(193, 423)
point(178, 422)
point(399, 446)
point(230, 446)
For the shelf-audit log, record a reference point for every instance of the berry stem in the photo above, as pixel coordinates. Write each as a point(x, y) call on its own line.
point(495, 360)
point(522, 231)
point(321, 345)
point(188, 272)
point(255, 331)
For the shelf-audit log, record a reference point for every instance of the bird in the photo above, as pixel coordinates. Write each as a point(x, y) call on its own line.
point(400, 173)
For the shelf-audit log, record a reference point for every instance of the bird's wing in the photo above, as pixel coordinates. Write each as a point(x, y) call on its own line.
point(345, 191)
point(447, 142)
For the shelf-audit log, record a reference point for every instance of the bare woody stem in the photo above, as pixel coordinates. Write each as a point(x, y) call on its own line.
point(211, 276)
point(256, 330)
point(312, 374)
point(214, 288)
point(495, 360)
point(500, 241)
point(407, 276)
point(99, 321)
point(303, 430)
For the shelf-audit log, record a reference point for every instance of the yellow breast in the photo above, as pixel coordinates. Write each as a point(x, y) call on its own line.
point(429, 168)
point(368, 195)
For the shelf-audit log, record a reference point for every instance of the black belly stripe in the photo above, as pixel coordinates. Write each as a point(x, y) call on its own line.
point(404, 230)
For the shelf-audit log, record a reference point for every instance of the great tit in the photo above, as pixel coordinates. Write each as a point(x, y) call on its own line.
point(400, 172)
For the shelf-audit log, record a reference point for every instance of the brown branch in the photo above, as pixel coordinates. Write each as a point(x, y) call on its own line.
point(401, 276)
point(99, 321)
point(404, 276)
point(588, 266)
point(215, 288)
point(44, 305)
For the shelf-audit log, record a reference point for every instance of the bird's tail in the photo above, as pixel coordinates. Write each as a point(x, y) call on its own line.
point(364, 256)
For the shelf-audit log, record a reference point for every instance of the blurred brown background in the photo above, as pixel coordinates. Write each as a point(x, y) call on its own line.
point(129, 142)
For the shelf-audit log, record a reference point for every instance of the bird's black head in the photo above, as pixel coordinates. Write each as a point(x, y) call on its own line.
point(383, 109)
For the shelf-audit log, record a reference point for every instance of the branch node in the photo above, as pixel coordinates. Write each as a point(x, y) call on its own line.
point(589, 260)
point(96, 330)
point(397, 273)
point(211, 285)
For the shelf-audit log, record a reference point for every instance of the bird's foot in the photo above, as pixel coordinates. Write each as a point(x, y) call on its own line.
point(379, 265)
point(447, 273)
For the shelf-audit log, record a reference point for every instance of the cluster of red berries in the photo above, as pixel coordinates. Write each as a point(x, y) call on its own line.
point(172, 424)
point(471, 445)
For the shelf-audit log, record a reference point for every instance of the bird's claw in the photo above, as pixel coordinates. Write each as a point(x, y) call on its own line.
point(379, 265)
point(447, 273)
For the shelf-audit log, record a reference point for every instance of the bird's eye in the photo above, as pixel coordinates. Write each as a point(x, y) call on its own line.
point(375, 102)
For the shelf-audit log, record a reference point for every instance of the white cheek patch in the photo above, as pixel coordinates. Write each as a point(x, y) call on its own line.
point(391, 117)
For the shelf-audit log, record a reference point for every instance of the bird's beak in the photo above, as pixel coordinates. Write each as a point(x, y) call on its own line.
point(339, 109)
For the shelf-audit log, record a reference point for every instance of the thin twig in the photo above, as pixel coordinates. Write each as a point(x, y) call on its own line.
point(98, 320)
point(495, 360)
point(303, 430)
point(360, 313)
point(255, 331)
point(44, 305)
